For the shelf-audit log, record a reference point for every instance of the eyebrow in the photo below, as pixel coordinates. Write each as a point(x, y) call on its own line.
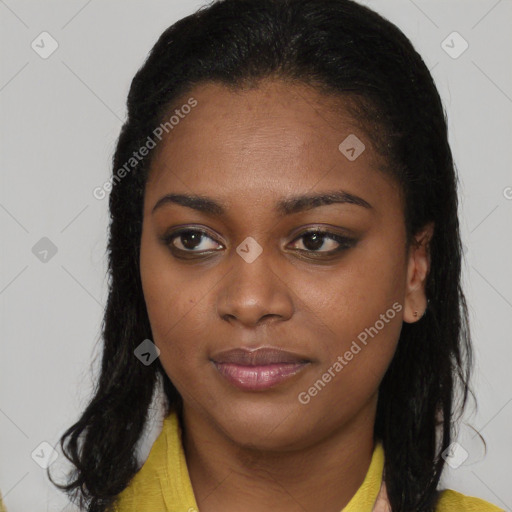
point(286, 206)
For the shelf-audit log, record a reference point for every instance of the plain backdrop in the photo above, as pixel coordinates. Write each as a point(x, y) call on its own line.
point(60, 117)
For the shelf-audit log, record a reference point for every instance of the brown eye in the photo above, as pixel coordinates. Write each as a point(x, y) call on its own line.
point(323, 242)
point(191, 240)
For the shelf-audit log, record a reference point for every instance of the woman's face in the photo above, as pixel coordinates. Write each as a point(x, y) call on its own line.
point(261, 277)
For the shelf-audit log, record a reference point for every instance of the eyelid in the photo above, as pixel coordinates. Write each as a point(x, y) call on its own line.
point(344, 241)
point(176, 230)
point(170, 236)
point(329, 233)
point(300, 232)
point(323, 228)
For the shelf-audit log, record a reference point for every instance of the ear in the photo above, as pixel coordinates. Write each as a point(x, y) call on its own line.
point(418, 266)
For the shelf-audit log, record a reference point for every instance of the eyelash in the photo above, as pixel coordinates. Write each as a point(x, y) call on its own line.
point(343, 241)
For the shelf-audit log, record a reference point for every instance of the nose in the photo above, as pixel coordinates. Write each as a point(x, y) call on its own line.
point(255, 292)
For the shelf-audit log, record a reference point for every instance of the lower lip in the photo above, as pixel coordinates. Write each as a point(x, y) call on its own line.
point(254, 378)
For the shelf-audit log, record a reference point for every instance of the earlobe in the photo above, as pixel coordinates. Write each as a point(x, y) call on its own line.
point(415, 303)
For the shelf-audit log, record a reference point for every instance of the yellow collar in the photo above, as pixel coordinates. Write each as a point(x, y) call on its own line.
point(163, 483)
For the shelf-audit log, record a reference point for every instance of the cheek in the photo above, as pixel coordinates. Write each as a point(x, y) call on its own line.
point(355, 356)
point(354, 296)
point(177, 318)
point(362, 306)
point(175, 304)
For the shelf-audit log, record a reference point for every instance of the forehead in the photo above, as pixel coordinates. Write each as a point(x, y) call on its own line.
point(273, 114)
point(278, 137)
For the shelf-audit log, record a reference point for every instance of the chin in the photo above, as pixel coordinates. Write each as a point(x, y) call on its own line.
point(262, 427)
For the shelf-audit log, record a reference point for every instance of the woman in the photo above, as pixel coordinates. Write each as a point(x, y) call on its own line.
point(285, 256)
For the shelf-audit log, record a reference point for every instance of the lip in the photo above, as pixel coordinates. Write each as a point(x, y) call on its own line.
point(259, 356)
point(258, 369)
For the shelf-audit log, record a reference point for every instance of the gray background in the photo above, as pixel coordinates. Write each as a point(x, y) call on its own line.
point(60, 120)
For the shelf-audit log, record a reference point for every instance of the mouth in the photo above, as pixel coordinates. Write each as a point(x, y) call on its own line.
point(258, 369)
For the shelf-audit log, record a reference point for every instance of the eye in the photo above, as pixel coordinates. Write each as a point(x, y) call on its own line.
point(191, 241)
point(198, 241)
point(330, 243)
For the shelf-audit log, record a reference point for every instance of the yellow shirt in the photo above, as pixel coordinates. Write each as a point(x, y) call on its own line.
point(2, 506)
point(163, 483)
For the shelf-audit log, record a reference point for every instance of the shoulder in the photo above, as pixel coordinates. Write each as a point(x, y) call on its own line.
point(163, 482)
point(453, 501)
point(148, 485)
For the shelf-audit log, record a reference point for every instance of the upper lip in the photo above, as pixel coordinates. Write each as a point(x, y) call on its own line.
point(258, 356)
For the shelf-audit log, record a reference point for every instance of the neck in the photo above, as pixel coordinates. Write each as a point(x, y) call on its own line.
point(321, 476)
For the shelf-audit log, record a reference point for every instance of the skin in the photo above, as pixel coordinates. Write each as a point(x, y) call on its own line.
point(262, 450)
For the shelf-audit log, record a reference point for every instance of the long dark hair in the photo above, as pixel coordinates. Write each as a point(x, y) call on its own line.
point(342, 49)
